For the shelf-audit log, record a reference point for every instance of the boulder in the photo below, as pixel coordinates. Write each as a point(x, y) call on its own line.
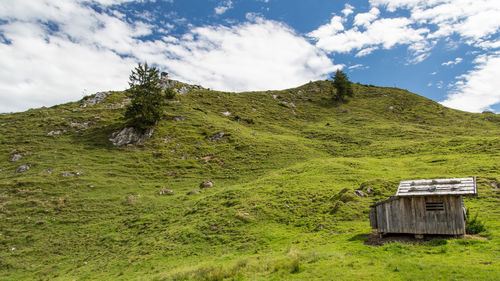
point(67, 174)
point(391, 107)
point(165, 191)
point(192, 192)
point(206, 183)
point(359, 193)
point(53, 133)
point(15, 157)
point(369, 190)
point(95, 99)
point(216, 137)
point(23, 168)
point(179, 118)
point(183, 90)
point(130, 136)
point(167, 83)
point(287, 104)
point(84, 125)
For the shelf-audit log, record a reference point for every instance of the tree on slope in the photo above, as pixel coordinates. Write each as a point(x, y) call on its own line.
point(342, 85)
point(147, 100)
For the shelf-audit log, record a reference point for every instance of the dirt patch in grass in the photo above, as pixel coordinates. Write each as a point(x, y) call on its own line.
point(373, 239)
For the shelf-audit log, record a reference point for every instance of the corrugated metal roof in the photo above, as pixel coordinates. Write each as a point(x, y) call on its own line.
point(454, 186)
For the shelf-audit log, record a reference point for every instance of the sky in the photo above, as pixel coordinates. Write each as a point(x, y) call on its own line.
point(56, 51)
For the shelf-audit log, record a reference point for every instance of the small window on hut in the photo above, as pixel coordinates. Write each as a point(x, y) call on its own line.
point(434, 206)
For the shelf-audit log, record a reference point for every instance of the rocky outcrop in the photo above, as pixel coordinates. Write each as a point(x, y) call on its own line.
point(55, 132)
point(95, 99)
point(84, 125)
point(165, 191)
point(15, 157)
point(206, 183)
point(23, 168)
point(184, 88)
point(130, 135)
point(359, 193)
point(216, 137)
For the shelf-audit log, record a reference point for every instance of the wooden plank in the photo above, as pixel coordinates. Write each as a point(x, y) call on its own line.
point(373, 217)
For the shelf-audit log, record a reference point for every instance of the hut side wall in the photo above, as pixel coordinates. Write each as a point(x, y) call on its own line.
point(409, 215)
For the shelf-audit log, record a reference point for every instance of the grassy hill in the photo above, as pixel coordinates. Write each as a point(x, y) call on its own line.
point(282, 208)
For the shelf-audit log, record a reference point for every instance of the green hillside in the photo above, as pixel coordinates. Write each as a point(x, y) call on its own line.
point(282, 207)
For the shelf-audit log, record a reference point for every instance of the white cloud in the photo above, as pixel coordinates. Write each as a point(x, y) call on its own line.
point(471, 22)
point(348, 9)
point(478, 89)
point(44, 66)
point(469, 18)
point(385, 33)
point(452, 62)
point(223, 7)
point(255, 55)
point(364, 19)
point(358, 66)
point(328, 30)
point(366, 51)
point(82, 50)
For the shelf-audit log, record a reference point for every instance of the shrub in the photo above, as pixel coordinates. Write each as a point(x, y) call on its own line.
point(170, 94)
point(473, 225)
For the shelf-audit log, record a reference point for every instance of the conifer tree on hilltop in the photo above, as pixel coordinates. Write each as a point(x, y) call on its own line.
point(147, 100)
point(343, 86)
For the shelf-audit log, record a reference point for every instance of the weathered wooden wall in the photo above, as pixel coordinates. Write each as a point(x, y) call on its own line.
point(409, 215)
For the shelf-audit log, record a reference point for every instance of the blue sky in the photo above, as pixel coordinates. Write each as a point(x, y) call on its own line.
point(58, 51)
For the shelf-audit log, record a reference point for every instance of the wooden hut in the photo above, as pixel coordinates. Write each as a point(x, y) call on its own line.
point(424, 207)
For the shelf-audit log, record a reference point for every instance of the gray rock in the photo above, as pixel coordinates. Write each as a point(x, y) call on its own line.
point(206, 183)
point(23, 168)
point(96, 98)
point(79, 173)
point(53, 133)
point(192, 192)
point(15, 157)
point(226, 113)
point(67, 174)
point(216, 137)
point(369, 190)
point(359, 193)
point(391, 107)
point(167, 83)
point(183, 90)
point(179, 118)
point(287, 104)
point(130, 136)
point(165, 191)
point(84, 125)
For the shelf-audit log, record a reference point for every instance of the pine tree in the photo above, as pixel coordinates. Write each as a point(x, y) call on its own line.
point(342, 85)
point(147, 100)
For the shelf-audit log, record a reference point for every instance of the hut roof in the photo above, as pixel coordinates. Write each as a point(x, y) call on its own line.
point(454, 186)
